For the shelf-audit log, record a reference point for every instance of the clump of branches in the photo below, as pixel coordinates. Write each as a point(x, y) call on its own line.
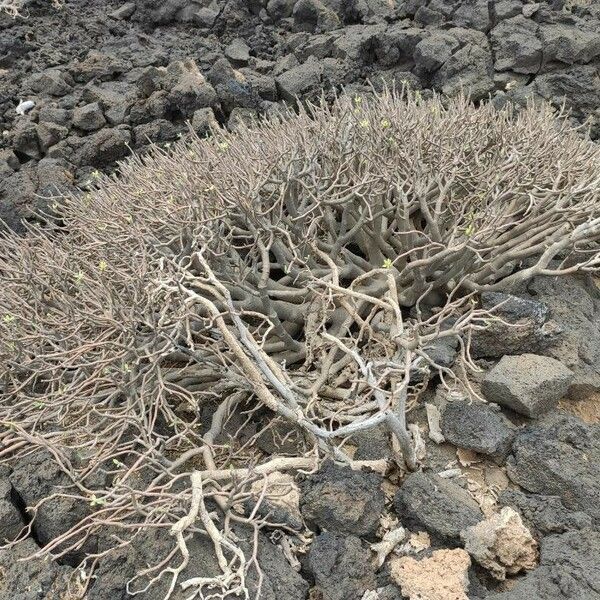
point(301, 268)
point(14, 8)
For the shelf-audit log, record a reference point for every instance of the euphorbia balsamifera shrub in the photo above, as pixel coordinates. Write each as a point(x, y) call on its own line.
point(297, 270)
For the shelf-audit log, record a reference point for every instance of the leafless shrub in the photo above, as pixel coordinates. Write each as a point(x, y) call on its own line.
point(14, 8)
point(302, 267)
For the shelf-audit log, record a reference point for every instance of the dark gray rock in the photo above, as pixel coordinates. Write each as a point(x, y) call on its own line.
point(341, 566)
point(561, 458)
point(53, 82)
point(263, 85)
point(568, 570)
point(31, 579)
point(37, 477)
point(115, 98)
point(207, 16)
point(368, 11)
point(25, 140)
point(99, 66)
point(50, 134)
point(89, 117)
point(154, 107)
point(545, 514)
point(238, 53)
point(240, 117)
point(372, 444)
point(150, 547)
point(433, 51)
point(396, 46)
point(9, 163)
point(300, 81)
point(280, 9)
point(232, 88)
point(477, 426)
point(314, 16)
point(473, 14)
point(204, 121)
point(187, 88)
point(279, 580)
point(11, 522)
point(50, 113)
point(578, 86)
point(517, 46)
point(569, 43)
point(104, 147)
point(157, 132)
point(17, 191)
point(505, 9)
point(443, 508)
point(342, 500)
point(428, 17)
point(574, 304)
point(470, 70)
point(523, 325)
point(528, 383)
point(357, 43)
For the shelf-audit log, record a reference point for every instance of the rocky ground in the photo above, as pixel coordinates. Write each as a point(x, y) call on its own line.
point(506, 504)
point(108, 77)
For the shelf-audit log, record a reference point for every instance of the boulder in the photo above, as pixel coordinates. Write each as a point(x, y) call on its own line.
point(528, 383)
point(238, 53)
point(114, 97)
point(438, 505)
point(53, 82)
point(300, 81)
point(155, 132)
point(50, 113)
point(568, 43)
point(99, 66)
point(577, 86)
point(104, 147)
point(37, 477)
point(523, 325)
point(561, 458)
point(544, 514)
point(478, 427)
point(187, 88)
point(468, 70)
point(472, 14)
point(25, 140)
point(11, 521)
point(232, 88)
point(152, 546)
point(203, 121)
point(280, 9)
point(314, 16)
point(32, 579)
point(433, 51)
point(342, 500)
point(516, 45)
point(574, 304)
point(89, 117)
point(341, 567)
point(50, 134)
